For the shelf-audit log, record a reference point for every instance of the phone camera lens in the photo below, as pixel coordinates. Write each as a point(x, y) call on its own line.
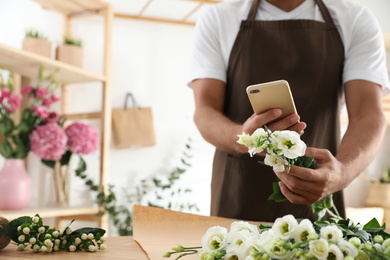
point(254, 91)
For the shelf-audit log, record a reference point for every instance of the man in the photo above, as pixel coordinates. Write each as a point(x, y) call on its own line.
point(326, 50)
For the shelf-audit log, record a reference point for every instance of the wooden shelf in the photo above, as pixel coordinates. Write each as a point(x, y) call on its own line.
point(71, 7)
point(48, 212)
point(27, 64)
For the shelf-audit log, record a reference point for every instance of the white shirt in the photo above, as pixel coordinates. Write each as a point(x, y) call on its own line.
point(217, 28)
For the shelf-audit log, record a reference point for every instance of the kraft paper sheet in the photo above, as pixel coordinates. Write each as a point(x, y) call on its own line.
point(158, 230)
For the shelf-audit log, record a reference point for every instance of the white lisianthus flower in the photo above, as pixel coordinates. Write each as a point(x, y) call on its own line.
point(90, 236)
point(92, 248)
point(202, 255)
point(56, 234)
point(77, 241)
point(279, 250)
point(245, 139)
point(254, 150)
point(19, 228)
point(36, 248)
point(284, 227)
point(291, 144)
point(57, 242)
point(303, 231)
point(331, 233)
point(41, 230)
point(84, 236)
point(72, 248)
point(232, 252)
point(56, 248)
point(103, 247)
point(277, 162)
point(214, 239)
point(32, 240)
point(238, 226)
point(347, 248)
point(267, 238)
point(48, 236)
point(334, 252)
point(239, 237)
point(249, 247)
point(319, 248)
point(43, 248)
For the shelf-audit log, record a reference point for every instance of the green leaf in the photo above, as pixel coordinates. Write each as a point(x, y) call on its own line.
point(11, 230)
point(88, 230)
point(63, 231)
point(373, 223)
point(5, 149)
point(265, 226)
point(82, 167)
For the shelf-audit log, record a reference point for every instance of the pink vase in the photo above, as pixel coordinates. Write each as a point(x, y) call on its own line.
point(15, 185)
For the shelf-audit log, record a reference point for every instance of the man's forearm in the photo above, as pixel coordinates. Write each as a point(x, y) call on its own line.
point(360, 144)
point(217, 129)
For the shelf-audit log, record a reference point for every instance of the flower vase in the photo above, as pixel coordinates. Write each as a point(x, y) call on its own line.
point(60, 184)
point(15, 185)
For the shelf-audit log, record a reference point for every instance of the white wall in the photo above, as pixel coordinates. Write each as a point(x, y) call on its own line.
point(151, 60)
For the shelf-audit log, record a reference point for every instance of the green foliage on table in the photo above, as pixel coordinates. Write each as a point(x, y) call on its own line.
point(122, 214)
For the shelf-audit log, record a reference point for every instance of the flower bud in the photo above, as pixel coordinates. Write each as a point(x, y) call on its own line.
point(378, 239)
point(355, 241)
point(26, 230)
point(84, 236)
point(32, 240)
point(77, 241)
point(47, 236)
point(21, 238)
point(167, 255)
point(35, 219)
point(19, 228)
point(178, 248)
point(72, 248)
point(56, 234)
point(41, 230)
point(103, 246)
point(68, 231)
point(90, 236)
point(48, 243)
point(368, 246)
point(43, 248)
point(92, 248)
point(36, 248)
point(20, 247)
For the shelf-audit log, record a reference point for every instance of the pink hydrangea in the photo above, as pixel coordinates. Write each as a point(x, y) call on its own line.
point(82, 138)
point(48, 141)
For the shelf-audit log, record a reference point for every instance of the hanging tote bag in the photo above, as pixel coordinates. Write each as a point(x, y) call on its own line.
point(133, 125)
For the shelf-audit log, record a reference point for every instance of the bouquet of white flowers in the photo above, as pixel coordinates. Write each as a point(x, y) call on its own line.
point(290, 238)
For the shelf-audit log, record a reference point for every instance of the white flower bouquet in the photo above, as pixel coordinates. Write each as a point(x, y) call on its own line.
point(290, 238)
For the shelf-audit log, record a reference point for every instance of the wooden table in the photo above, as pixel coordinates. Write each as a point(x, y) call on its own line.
point(124, 247)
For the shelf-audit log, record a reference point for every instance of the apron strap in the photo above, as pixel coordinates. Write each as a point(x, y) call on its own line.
point(253, 11)
point(325, 12)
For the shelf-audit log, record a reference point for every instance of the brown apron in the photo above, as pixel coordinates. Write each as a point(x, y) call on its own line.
point(309, 55)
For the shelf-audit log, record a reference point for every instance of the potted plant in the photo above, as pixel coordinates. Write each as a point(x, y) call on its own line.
point(70, 52)
point(37, 43)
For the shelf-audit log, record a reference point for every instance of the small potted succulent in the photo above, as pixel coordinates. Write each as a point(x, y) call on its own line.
point(38, 43)
point(70, 52)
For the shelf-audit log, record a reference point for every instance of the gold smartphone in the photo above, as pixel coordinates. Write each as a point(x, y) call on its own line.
point(269, 95)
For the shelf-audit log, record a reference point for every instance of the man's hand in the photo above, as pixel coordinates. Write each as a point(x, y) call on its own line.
point(306, 186)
